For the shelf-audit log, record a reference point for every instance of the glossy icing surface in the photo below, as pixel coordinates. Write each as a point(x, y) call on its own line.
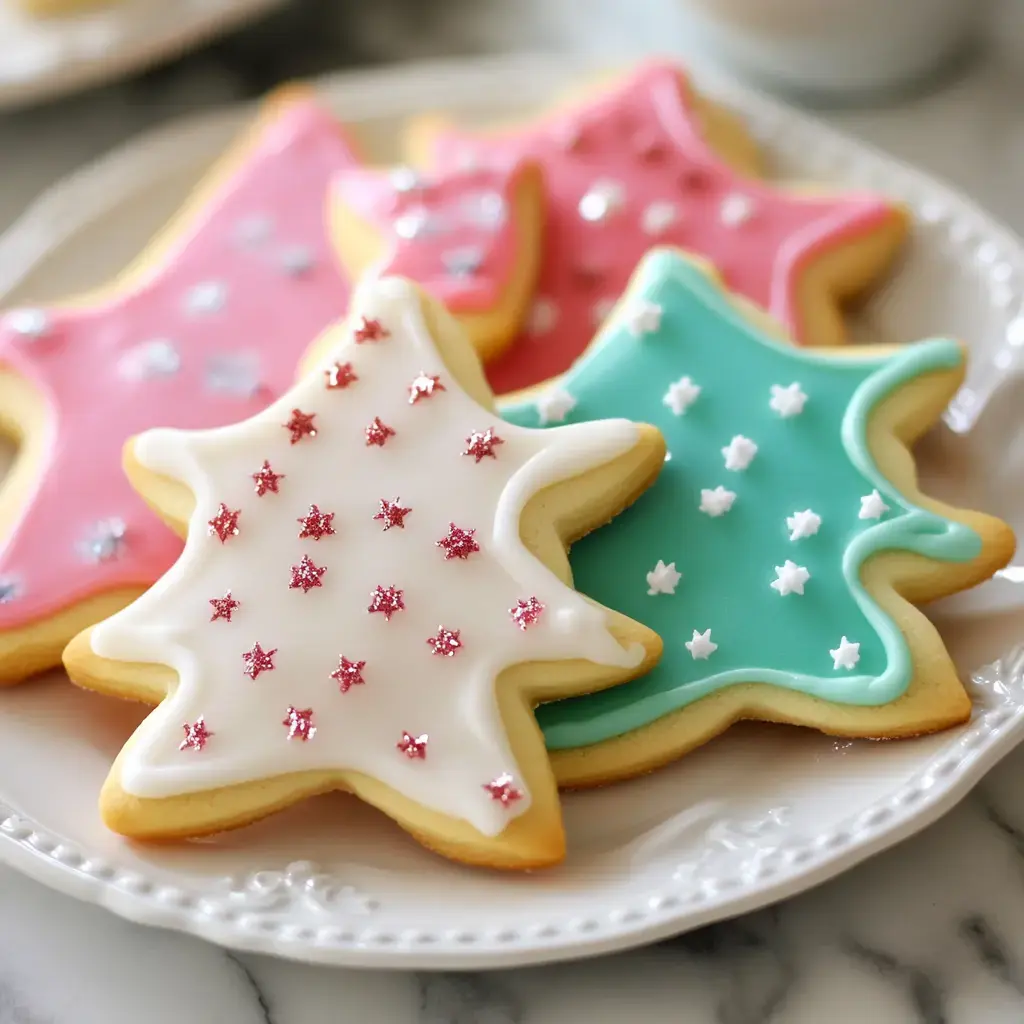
point(767, 553)
point(207, 335)
point(628, 170)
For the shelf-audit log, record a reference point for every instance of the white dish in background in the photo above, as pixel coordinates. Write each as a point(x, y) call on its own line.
point(41, 58)
point(758, 815)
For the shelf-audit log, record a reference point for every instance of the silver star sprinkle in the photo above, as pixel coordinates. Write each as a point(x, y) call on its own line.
point(485, 210)
point(413, 224)
point(296, 260)
point(29, 323)
point(234, 373)
point(464, 261)
point(156, 358)
point(208, 297)
point(104, 540)
point(603, 199)
point(251, 231)
point(405, 179)
point(10, 588)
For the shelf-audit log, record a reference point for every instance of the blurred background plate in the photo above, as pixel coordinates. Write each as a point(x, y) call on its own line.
point(758, 815)
point(41, 58)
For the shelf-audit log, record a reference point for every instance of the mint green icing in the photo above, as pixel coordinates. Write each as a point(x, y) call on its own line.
point(818, 459)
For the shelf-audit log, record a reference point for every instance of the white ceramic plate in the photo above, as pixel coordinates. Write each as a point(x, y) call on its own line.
point(43, 57)
point(758, 815)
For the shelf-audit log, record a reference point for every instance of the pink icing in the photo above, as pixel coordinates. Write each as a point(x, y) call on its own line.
point(262, 242)
point(466, 211)
point(643, 138)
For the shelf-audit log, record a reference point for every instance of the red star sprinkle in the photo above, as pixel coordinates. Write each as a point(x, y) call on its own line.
point(424, 386)
point(316, 524)
point(348, 673)
point(503, 790)
point(413, 746)
point(306, 575)
point(377, 433)
point(447, 643)
point(300, 723)
point(223, 607)
point(392, 514)
point(266, 479)
point(196, 735)
point(386, 600)
point(481, 444)
point(370, 330)
point(301, 425)
point(339, 376)
point(526, 613)
point(458, 543)
point(258, 660)
point(224, 523)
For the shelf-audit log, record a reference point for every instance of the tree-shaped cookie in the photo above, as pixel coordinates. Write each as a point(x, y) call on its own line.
point(781, 548)
point(205, 329)
point(471, 237)
point(373, 594)
point(644, 162)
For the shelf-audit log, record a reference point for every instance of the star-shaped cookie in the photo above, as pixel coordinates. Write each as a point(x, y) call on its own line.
point(801, 540)
point(385, 618)
point(647, 162)
point(205, 329)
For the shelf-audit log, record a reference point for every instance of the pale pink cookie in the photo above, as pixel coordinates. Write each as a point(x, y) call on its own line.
point(206, 328)
point(373, 596)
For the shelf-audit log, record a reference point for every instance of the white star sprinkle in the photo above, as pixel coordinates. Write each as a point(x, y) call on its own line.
point(872, 506)
point(717, 502)
point(542, 317)
point(739, 452)
point(643, 317)
point(681, 395)
point(790, 578)
point(736, 209)
point(658, 217)
point(701, 647)
point(803, 524)
point(787, 401)
point(554, 405)
point(663, 579)
point(846, 655)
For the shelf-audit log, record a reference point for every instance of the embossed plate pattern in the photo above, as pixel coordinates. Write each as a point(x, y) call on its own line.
point(758, 815)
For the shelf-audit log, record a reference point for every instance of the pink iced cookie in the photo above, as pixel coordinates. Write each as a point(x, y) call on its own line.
point(206, 329)
point(631, 168)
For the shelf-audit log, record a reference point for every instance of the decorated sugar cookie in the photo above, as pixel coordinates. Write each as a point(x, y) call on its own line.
point(639, 165)
point(471, 238)
point(207, 328)
point(373, 595)
point(781, 548)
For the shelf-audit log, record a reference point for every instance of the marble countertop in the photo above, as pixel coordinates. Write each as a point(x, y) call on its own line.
point(931, 932)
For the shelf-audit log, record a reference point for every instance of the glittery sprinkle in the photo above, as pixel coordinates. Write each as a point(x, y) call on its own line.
point(603, 199)
point(306, 575)
point(464, 261)
point(392, 514)
point(486, 210)
point(296, 261)
point(233, 373)
point(526, 613)
point(458, 543)
point(378, 433)
point(316, 524)
point(386, 600)
point(339, 375)
point(482, 444)
point(405, 179)
point(223, 606)
point(370, 330)
point(300, 425)
point(208, 297)
point(300, 723)
point(150, 360)
point(503, 790)
point(413, 746)
point(348, 673)
point(224, 523)
point(423, 386)
point(10, 588)
point(266, 479)
point(258, 660)
point(447, 643)
point(28, 323)
point(196, 735)
point(252, 230)
point(104, 541)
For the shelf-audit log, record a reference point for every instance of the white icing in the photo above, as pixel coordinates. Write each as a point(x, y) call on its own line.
point(787, 401)
point(739, 453)
point(406, 687)
point(716, 502)
point(803, 524)
point(790, 578)
point(554, 405)
point(642, 317)
point(658, 217)
point(701, 647)
point(663, 579)
point(846, 655)
point(872, 506)
point(681, 395)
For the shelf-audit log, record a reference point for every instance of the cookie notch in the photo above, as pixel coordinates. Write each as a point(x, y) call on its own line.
point(750, 525)
point(572, 483)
